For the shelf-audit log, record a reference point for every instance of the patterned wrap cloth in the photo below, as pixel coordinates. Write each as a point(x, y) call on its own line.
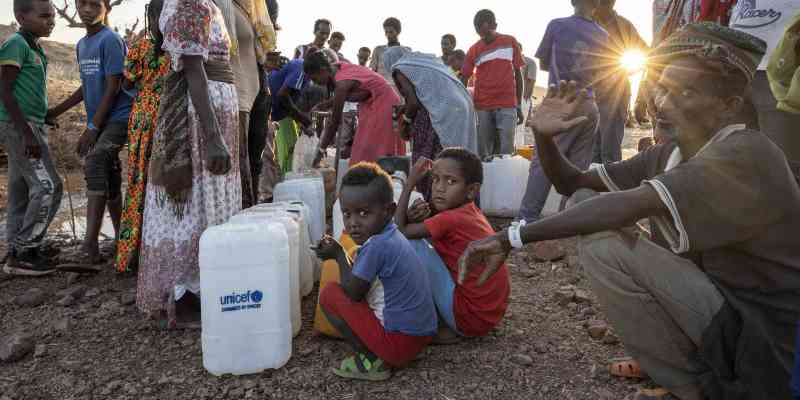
point(146, 69)
point(169, 260)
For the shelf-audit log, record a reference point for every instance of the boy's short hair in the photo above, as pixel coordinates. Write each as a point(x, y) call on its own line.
point(367, 49)
point(471, 166)
point(337, 35)
point(321, 21)
point(23, 6)
point(458, 53)
point(394, 23)
point(484, 16)
point(371, 175)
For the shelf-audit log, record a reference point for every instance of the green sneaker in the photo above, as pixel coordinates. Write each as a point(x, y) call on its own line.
point(361, 368)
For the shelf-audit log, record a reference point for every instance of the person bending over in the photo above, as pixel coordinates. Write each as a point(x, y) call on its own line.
point(375, 137)
point(286, 80)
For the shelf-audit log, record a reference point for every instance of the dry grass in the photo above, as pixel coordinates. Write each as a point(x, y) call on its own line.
point(70, 125)
point(63, 80)
point(63, 72)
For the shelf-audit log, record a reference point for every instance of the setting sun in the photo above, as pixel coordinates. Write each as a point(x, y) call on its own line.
point(633, 61)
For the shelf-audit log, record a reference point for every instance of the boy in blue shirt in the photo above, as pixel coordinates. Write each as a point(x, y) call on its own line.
point(384, 304)
point(101, 59)
point(34, 187)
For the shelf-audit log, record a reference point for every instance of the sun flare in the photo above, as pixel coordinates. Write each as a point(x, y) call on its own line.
point(633, 61)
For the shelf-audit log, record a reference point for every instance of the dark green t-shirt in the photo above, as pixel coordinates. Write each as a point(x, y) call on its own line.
point(30, 88)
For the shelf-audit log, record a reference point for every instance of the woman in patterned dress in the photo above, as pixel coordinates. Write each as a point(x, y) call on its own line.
point(194, 178)
point(145, 68)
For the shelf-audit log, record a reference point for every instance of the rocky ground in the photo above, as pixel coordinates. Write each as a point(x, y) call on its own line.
point(69, 337)
point(81, 337)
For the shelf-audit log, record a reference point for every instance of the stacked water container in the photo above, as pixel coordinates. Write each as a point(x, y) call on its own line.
point(504, 185)
point(253, 271)
point(308, 260)
point(246, 293)
point(292, 229)
point(309, 188)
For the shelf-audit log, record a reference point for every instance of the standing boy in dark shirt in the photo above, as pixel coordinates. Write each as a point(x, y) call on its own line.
point(570, 51)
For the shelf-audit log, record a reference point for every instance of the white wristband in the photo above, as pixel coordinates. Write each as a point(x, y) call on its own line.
point(514, 236)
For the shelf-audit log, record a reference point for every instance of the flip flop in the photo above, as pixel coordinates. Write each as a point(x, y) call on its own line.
point(360, 368)
point(654, 394)
point(626, 367)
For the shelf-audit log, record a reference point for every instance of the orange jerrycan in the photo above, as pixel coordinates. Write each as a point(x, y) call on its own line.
point(330, 273)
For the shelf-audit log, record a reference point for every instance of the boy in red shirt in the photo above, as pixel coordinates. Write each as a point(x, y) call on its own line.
point(495, 62)
point(477, 306)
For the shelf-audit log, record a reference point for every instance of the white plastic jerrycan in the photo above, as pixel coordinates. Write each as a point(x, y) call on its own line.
point(293, 235)
point(244, 281)
point(504, 183)
point(310, 189)
point(308, 260)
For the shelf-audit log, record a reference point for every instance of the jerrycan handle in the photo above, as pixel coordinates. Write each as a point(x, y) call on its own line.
point(493, 157)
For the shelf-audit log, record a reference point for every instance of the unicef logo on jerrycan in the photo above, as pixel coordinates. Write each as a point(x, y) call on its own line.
point(241, 301)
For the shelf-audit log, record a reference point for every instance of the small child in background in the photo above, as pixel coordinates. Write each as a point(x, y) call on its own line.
point(34, 187)
point(384, 305)
point(475, 307)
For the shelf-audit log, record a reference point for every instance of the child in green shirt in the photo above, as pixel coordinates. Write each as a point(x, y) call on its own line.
point(34, 187)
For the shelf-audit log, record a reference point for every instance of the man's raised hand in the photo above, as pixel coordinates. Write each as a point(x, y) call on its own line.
point(561, 110)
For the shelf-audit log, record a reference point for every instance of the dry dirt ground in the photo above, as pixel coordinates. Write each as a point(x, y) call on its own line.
point(97, 346)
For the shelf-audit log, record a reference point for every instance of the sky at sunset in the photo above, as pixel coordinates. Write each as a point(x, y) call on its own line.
point(424, 21)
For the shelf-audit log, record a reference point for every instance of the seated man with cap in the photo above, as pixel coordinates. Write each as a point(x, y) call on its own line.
point(708, 304)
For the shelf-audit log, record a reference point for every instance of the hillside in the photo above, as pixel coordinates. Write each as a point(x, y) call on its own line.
point(61, 56)
point(62, 80)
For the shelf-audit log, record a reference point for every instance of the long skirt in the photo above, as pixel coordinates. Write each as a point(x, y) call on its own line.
point(169, 265)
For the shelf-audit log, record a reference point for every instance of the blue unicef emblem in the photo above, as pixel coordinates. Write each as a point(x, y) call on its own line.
point(256, 296)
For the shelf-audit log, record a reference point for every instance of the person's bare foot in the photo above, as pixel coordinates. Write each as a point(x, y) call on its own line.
point(92, 253)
